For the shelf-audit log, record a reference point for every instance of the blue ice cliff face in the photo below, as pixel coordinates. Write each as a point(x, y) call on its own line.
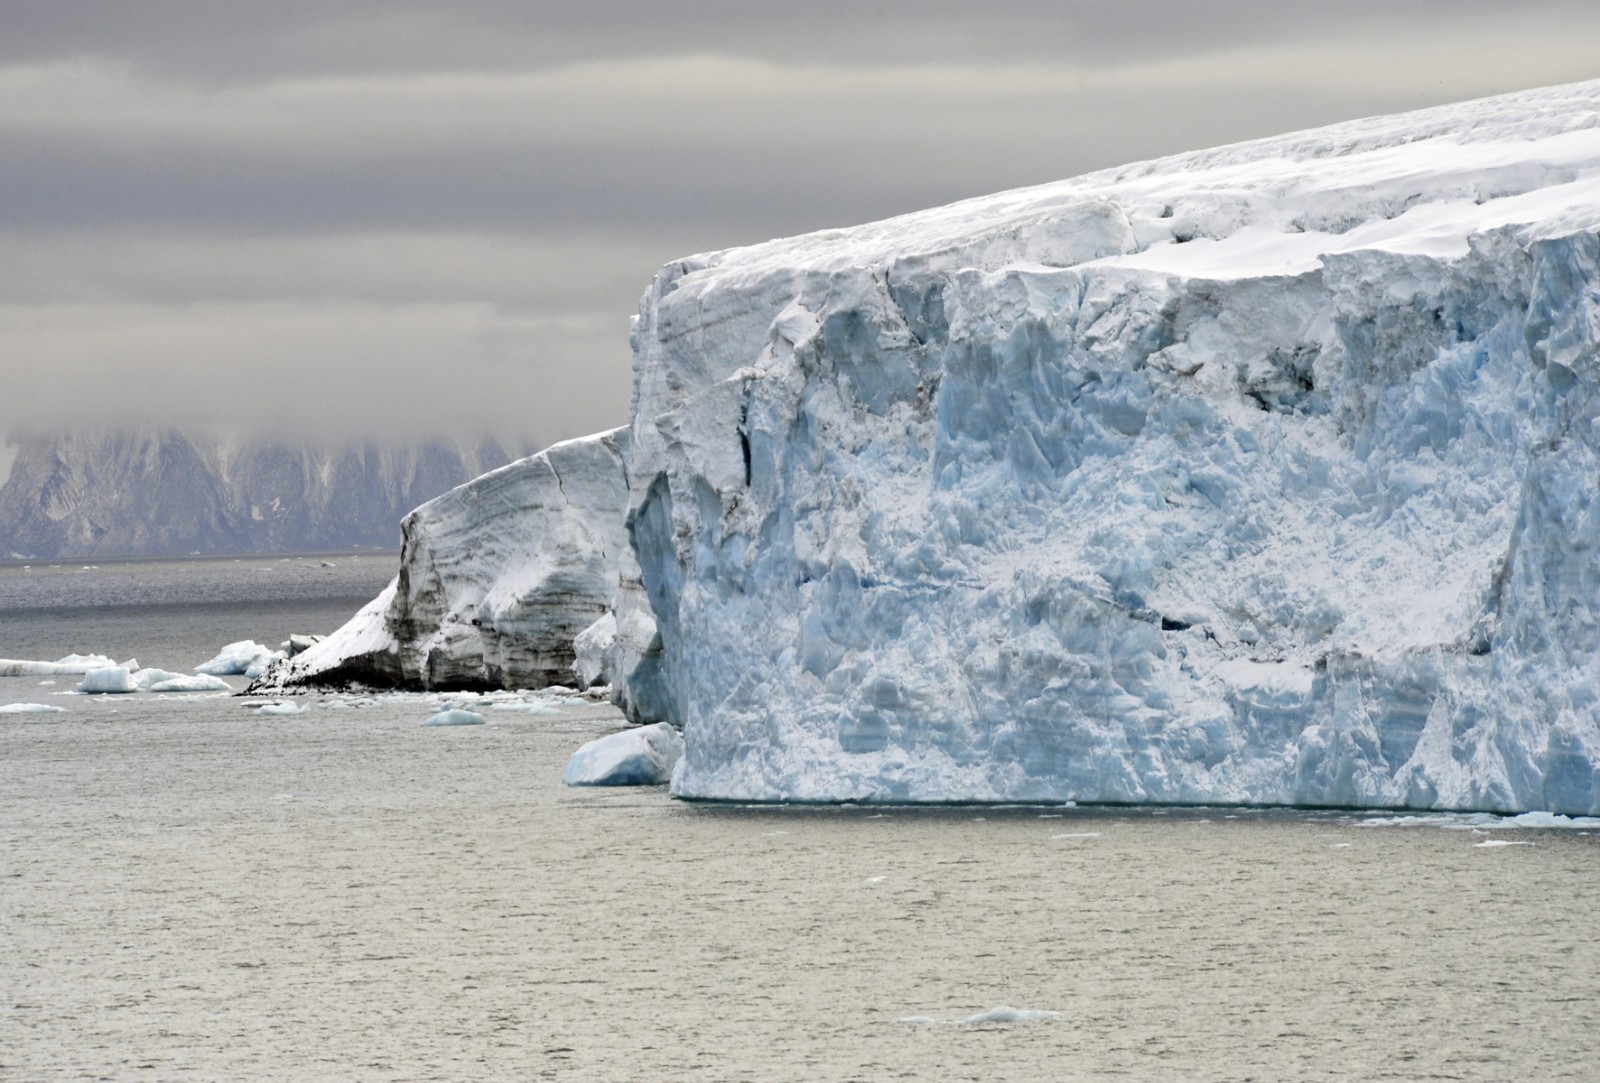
point(1265, 474)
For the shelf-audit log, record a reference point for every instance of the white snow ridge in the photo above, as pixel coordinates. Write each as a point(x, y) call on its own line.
point(1260, 474)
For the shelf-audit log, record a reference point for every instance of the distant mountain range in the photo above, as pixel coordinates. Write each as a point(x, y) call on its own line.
point(172, 493)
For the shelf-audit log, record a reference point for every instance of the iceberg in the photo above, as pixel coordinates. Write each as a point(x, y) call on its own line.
point(238, 658)
point(643, 756)
point(110, 679)
point(71, 665)
point(1262, 474)
point(200, 682)
point(497, 579)
point(31, 708)
point(144, 678)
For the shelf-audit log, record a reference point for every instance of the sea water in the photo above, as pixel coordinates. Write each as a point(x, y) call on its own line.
point(189, 889)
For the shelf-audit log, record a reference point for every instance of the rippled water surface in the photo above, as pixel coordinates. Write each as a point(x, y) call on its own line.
point(190, 890)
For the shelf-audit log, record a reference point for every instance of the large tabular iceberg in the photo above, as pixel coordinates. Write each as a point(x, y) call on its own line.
point(497, 579)
point(1263, 474)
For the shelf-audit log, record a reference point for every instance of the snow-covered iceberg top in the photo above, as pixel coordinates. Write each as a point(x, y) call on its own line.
point(72, 664)
point(497, 579)
point(1258, 474)
point(109, 680)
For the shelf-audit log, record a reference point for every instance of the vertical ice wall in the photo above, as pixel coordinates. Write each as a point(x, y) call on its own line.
point(1266, 474)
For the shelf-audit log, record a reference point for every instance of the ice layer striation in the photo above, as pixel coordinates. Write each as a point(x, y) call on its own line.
point(1268, 473)
point(497, 579)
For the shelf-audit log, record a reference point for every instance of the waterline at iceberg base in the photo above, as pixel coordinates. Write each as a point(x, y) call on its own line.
point(1267, 474)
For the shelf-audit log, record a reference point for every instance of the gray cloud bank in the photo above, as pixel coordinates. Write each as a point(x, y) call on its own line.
point(364, 219)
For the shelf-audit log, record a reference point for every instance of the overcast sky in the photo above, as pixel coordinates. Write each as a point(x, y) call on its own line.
point(358, 218)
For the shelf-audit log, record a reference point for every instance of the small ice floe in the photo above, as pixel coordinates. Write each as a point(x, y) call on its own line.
point(31, 708)
point(526, 707)
point(1427, 819)
point(71, 665)
point(281, 707)
point(1078, 835)
point(772, 834)
point(876, 879)
point(199, 682)
point(638, 757)
point(237, 658)
point(1006, 1014)
point(1501, 842)
point(1002, 1014)
point(455, 716)
point(1340, 846)
point(111, 679)
point(47, 684)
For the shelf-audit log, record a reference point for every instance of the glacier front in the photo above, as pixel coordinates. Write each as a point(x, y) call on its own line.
point(1265, 474)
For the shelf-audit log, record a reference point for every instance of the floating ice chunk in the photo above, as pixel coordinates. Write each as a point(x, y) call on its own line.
point(47, 684)
point(526, 707)
point(638, 757)
point(237, 658)
point(72, 664)
point(591, 648)
point(144, 678)
point(1442, 819)
point(455, 716)
point(1501, 842)
point(918, 1020)
point(110, 679)
point(200, 682)
point(1005, 1014)
point(282, 708)
point(1549, 820)
point(31, 708)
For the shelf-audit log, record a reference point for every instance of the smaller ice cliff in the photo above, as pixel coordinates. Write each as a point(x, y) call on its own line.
point(497, 579)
